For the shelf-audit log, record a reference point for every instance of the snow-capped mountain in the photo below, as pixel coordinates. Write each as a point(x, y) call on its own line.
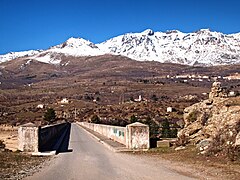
point(77, 47)
point(14, 55)
point(72, 47)
point(201, 47)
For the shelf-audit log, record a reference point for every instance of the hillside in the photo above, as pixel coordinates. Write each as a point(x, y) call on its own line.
point(24, 71)
point(93, 84)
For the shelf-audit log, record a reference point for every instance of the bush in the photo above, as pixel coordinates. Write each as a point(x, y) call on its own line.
point(2, 145)
point(167, 132)
point(193, 116)
point(154, 97)
point(95, 119)
point(133, 119)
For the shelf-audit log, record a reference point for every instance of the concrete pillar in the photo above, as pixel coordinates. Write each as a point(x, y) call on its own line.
point(28, 137)
point(137, 136)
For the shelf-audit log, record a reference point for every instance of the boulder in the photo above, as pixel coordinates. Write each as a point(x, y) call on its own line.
point(180, 148)
point(212, 123)
point(204, 145)
point(217, 91)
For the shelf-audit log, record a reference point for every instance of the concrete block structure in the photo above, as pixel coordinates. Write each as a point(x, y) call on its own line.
point(163, 143)
point(134, 136)
point(36, 139)
point(115, 133)
point(28, 137)
point(137, 136)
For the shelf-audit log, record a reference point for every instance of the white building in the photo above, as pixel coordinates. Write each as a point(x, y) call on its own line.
point(64, 101)
point(169, 109)
point(231, 94)
point(139, 98)
point(40, 106)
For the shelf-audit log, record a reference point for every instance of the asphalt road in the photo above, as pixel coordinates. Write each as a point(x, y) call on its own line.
point(91, 160)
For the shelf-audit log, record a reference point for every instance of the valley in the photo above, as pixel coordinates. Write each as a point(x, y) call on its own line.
point(105, 86)
point(114, 90)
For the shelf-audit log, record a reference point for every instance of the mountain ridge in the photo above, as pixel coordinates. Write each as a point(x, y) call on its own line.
point(202, 47)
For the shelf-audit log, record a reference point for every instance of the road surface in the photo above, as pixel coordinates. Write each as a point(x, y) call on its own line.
point(91, 160)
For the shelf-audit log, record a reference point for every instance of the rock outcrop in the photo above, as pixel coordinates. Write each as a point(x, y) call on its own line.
point(217, 91)
point(213, 124)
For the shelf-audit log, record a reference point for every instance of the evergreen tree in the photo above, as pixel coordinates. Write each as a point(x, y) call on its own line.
point(50, 115)
point(166, 131)
point(153, 127)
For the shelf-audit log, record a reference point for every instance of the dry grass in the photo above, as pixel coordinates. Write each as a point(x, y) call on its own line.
point(14, 165)
point(8, 135)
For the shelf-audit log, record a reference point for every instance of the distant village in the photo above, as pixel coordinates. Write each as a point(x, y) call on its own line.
point(193, 77)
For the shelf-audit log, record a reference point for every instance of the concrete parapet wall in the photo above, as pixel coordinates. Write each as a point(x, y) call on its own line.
point(134, 136)
point(32, 138)
point(116, 133)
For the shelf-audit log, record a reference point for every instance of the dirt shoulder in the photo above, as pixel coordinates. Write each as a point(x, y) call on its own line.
point(188, 161)
point(15, 165)
point(9, 136)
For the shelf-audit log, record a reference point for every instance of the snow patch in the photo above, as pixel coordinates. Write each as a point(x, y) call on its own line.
point(14, 55)
point(48, 59)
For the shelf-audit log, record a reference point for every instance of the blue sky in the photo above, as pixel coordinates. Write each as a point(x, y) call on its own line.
point(39, 24)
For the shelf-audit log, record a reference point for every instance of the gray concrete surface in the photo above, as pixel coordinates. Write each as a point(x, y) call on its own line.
point(90, 160)
point(108, 143)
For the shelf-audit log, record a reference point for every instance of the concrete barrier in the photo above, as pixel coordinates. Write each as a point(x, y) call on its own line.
point(134, 136)
point(115, 133)
point(32, 138)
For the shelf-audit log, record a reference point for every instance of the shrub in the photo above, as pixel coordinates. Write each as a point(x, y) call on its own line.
point(95, 119)
point(133, 119)
point(2, 145)
point(193, 116)
point(167, 132)
point(154, 97)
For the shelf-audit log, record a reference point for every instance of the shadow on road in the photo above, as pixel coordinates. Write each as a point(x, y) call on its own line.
point(63, 148)
point(55, 138)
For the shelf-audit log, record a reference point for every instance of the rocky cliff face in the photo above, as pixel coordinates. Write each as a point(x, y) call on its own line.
point(213, 124)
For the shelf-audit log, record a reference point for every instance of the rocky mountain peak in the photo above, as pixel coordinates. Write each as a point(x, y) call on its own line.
point(203, 47)
point(203, 31)
point(74, 43)
point(148, 32)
